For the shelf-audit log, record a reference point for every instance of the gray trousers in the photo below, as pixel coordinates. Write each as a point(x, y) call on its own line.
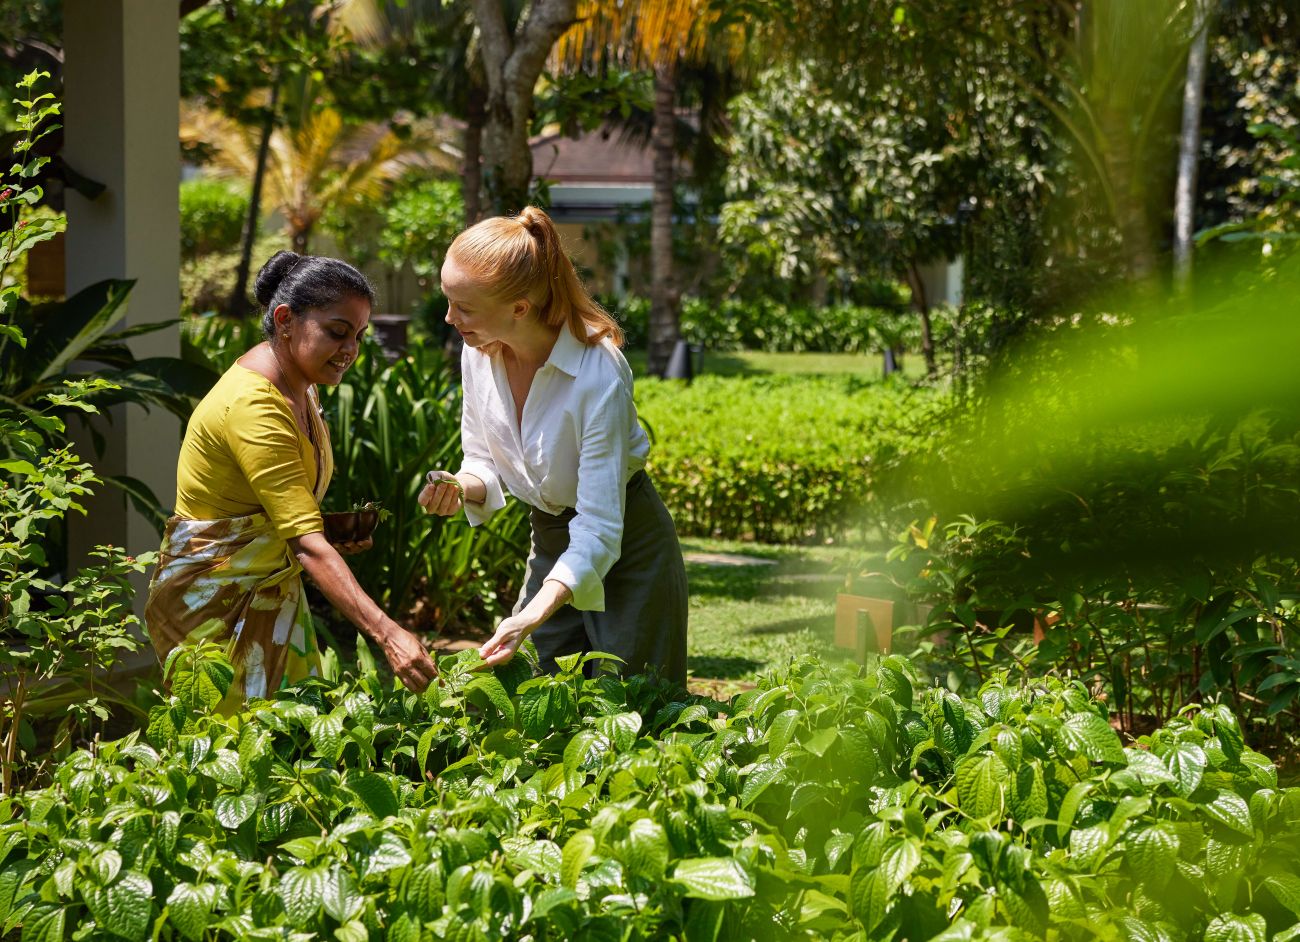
point(644, 621)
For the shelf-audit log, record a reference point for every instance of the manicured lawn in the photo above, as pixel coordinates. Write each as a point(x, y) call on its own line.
point(755, 363)
point(747, 618)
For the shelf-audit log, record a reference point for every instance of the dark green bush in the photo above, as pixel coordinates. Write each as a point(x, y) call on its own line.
point(212, 216)
point(780, 459)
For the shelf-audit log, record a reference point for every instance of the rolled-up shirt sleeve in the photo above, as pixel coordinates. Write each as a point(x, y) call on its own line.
point(596, 530)
point(263, 438)
point(478, 461)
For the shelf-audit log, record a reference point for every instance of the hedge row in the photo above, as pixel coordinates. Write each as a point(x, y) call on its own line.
point(779, 459)
point(774, 327)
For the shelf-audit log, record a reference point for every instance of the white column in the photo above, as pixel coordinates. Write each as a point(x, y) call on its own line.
point(121, 114)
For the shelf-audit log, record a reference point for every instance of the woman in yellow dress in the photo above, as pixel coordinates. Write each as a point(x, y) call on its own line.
point(253, 468)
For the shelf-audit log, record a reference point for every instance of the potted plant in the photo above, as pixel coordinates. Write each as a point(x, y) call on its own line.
point(355, 525)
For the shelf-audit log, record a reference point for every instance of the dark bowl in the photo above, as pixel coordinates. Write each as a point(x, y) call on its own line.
point(350, 526)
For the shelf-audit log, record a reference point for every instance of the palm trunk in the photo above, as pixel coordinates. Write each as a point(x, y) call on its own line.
point(1189, 142)
point(471, 171)
point(664, 299)
point(1130, 203)
point(237, 305)
point(921, 302)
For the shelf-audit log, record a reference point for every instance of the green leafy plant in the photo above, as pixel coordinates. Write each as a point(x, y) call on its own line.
point(391, 423)
point(828, 803)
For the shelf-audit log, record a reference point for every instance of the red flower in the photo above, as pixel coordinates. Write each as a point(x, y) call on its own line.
point(7, 192)
point(23, 222)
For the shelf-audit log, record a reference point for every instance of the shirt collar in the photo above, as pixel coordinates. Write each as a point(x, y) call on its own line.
point(567, 353)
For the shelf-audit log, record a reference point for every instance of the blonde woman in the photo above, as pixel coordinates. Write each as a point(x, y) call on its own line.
point(254, 466)
point(548, 416)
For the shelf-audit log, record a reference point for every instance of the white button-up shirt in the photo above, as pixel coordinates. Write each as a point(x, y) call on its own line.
point(577, 447)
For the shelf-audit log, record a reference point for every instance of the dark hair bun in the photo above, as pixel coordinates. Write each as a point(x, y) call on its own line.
point(272, 273)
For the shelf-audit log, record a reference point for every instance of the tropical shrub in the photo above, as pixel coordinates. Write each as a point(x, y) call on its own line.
point(391, 423)
point(780, 459)
point(212, 216)
point(828, 803)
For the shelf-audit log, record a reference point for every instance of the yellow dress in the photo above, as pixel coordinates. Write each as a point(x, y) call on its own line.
point(247, 482)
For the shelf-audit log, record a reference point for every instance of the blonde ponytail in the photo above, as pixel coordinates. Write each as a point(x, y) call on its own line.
point(522, 257)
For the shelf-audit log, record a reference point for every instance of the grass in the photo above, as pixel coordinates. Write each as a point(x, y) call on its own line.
point(757, 363)
point(747, 619)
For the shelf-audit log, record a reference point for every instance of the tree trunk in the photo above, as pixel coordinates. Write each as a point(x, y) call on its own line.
point(921, 302)
point(237, 305)
point(1189, 143)
point(1130, 202)
point(664, 300)
point(512, 65)
point(471, 171)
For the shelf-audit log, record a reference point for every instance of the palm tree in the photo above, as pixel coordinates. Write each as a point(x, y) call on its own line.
point(320, 164)
point(664, 37)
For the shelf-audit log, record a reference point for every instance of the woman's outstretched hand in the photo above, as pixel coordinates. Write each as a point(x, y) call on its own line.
point(502, 646)
point(442, 495)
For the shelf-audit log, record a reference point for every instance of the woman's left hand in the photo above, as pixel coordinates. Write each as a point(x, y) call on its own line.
point(352, 547)
point(503, 645)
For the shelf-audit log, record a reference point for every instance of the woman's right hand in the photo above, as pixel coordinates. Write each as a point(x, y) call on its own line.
point(442, 495)
point(408, 659)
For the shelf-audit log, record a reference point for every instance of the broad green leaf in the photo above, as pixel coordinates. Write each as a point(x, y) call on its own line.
point(781, 731)
point(374, 792)
point(234, 810)
point(577, 851)
point(1285, 888)
point(44, 923)
point(327, 736)
point(303, 891)
point(1231, 809)
point(869, 897)
point(981, 780)
point(621, 729)
point(716, 878)
point(820, 741)
point(898, 862)
point(1148, 768)
point(108, 864)
point(1028, 794)
point(124, 908)
point(1235, 928)
point(1006, 743)
point(339, 895)
point(645, 852)
point(584, 750)
point(759, 778)
point(1186, 763)
point(1088, 734)
point(224, 767)
point(543, 710)
point(188, 911)
point(527, 854)
point(485, 690)
point(1152, 854)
